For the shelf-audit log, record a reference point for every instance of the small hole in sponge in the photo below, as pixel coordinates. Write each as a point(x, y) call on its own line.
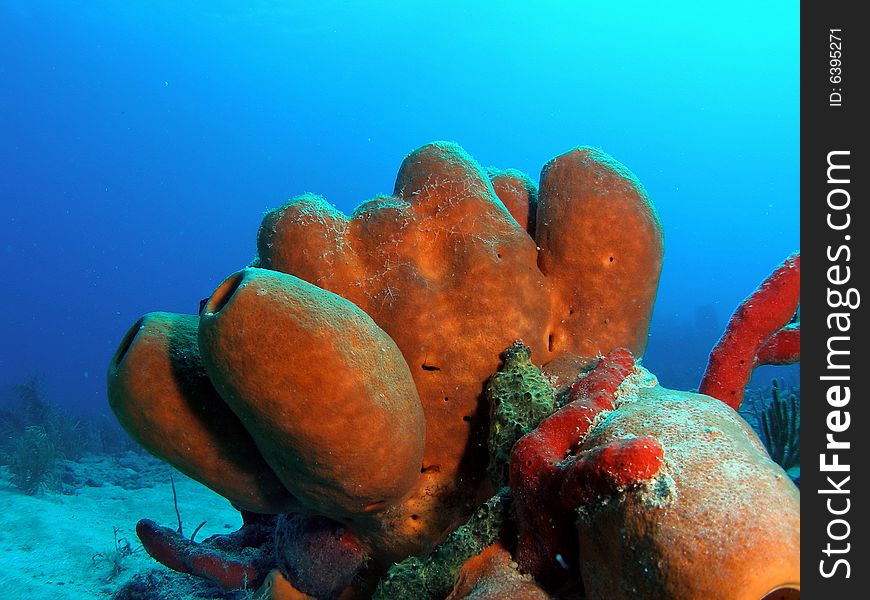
point(430, 367)
point(222, 295)
point(127, 342)
point(467, 418)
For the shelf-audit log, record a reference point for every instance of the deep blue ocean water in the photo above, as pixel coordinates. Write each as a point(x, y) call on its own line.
point(140, 143)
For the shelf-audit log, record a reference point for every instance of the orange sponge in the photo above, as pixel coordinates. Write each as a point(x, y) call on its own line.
point(355, 357)
point(447, 268)
point(323, 391)
point(601, 248)
point(160, 393)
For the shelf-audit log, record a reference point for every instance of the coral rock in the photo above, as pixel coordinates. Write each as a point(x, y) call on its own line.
point(432, 577)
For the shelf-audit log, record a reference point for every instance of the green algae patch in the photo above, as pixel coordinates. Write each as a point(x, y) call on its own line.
point(432, 577)
point(519, 398)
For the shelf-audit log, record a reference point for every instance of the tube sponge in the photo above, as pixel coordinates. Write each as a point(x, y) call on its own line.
point(323, 391)
point(601, 247)
point(160, 393)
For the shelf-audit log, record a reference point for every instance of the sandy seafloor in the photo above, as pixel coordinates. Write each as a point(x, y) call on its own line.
point(49, 542)
point(58, 545)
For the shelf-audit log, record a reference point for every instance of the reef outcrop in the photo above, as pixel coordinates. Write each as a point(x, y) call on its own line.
point(345, 381)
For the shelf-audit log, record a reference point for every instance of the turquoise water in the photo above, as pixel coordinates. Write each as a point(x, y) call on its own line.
point(142, 141)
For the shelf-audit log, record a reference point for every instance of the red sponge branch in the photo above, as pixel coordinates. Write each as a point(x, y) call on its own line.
point(758, 333)
point(548, 484)
point(782, 348)
point(609, 469)
point(237, 560)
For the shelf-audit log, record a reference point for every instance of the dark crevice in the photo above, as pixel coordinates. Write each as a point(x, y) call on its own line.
point(222, 295)
point(786, 593)
point(128, 341)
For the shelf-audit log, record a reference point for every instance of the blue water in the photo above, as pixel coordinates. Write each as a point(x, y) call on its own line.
point(140, 143)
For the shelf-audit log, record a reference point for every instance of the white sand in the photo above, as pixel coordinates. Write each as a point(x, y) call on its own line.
point(48, 542)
